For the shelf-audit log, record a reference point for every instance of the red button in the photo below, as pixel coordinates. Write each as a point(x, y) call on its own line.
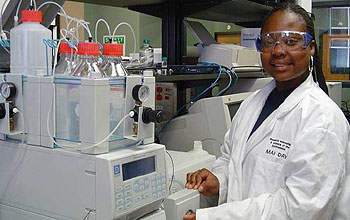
point(159, 97)
point(159, 89)
point(166, 97)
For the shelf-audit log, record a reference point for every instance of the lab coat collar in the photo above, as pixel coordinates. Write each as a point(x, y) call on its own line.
point(296, 96)
point(291, 101)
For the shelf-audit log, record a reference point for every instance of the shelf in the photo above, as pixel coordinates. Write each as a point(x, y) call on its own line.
point(243, 13)
point(122, 3)
point(232, 11)
point(246, 13)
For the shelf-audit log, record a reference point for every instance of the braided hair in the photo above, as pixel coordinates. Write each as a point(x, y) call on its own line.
point(317, 73)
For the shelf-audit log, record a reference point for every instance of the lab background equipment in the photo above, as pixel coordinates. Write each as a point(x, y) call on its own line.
point(207, 120)
point(228, 55)
point(79, 147)
point(57, 184)
point(181, 200)
point(45, 171)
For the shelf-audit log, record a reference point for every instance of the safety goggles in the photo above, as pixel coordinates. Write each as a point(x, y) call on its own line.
point(288, 41)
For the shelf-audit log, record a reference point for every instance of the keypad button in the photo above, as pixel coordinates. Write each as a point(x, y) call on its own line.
point(158, 176)
point(159, 188)
point(147, 183)
point(159, 194)
point(163, 180)
point(127, 187)
point(118, 188)
point(154, 189)
point(136, 187)
point(128, 205)
point(127, 193)
point(158, 182)
point(119, 195)
point(154, 184)
point(119, 202)
point(163, 186)
point(141, 182)
point(142, 188)
point(128, 199)
point(146, 196)
point(138, 198)
point(164, 192)
point(120, 208)
point(154, 196)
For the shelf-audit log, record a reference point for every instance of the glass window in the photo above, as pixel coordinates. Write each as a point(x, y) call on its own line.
point(336, 44)
point(340, 61)
point(339, 17)
point(339, 31)
point(339, 42)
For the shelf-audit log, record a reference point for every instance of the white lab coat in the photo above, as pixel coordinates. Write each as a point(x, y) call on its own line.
point(292, 166)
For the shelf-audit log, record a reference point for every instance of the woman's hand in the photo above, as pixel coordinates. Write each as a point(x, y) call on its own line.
point(203, 180)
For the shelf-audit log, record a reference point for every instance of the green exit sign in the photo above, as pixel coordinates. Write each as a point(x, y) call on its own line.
point(116, 39)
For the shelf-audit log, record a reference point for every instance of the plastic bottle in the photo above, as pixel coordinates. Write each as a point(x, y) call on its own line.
point(112, 64)
point(146, 54)
point(28, 52)
point(198, 148)
point(88, 64)
point(65, 65)
point(164, 65)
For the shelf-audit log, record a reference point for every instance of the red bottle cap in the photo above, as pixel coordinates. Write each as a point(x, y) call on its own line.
point(88, 48)
point(31, 16)
point(65, 48)
point(113, 49)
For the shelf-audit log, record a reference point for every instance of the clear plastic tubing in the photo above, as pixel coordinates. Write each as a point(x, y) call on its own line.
point(28, 52)
point(112, 60)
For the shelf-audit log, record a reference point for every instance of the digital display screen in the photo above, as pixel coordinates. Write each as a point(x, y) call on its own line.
point(139, 168)
point(232, 108)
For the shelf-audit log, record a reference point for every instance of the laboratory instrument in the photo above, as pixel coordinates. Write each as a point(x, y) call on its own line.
point(208, 119)
point(79, 145)
point(228, 55)
point(92, 176)
point(180, 199)
point(57, 184)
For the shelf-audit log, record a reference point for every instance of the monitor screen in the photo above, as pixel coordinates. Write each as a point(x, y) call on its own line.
point(232, 108)
point(139, 168)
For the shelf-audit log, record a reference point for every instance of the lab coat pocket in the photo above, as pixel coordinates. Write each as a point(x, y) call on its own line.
point(266, 176)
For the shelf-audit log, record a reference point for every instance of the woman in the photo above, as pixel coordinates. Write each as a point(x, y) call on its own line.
point(284, 156)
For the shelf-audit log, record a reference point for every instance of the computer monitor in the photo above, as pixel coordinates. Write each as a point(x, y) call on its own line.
point(208, 120)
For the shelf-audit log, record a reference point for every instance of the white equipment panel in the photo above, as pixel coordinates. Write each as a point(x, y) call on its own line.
point(42, 183)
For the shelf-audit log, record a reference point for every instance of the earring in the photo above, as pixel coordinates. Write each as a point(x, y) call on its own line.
point(311, 66)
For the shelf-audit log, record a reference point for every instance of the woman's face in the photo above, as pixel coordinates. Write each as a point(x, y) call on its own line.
point(288, 68)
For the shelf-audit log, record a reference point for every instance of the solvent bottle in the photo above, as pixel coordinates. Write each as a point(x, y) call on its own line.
point(146, 54)
point(65, 64)
point(28, 51)
point(112, 63)
point(88, 64)
point(164, 65)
